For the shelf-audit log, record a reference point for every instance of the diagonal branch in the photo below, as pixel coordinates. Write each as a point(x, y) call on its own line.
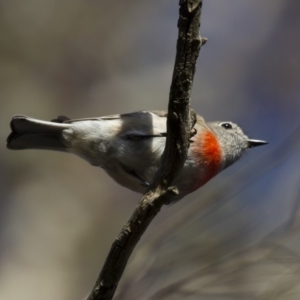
point(179, 124)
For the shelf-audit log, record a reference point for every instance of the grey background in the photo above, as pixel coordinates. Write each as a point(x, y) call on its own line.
point(79, 58)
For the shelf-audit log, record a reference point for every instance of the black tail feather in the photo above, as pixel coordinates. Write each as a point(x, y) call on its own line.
point(29, 133)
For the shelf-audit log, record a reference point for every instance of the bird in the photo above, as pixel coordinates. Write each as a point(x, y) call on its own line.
point(129, 146)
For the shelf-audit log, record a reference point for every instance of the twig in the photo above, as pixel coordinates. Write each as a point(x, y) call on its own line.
point(179, 124)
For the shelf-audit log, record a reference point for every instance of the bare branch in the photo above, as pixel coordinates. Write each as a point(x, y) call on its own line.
point(179, 124)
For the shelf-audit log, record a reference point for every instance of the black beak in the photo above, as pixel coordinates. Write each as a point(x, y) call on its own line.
point(255, 143)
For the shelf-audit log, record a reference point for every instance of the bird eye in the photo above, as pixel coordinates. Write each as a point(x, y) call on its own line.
point(226, 125)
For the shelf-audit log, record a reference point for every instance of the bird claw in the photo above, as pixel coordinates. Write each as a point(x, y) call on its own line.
point(192, 134)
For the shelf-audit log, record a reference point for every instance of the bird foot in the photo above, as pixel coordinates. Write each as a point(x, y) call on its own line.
point(192, 134)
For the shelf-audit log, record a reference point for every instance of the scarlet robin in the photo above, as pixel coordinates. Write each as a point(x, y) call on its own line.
point(129, 146)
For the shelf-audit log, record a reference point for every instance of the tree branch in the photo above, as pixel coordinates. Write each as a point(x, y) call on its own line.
point(179, 124)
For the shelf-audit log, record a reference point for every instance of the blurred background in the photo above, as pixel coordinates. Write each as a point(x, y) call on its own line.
point(236, 238)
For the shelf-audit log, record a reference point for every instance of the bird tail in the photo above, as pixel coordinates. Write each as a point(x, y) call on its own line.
point(29, 133)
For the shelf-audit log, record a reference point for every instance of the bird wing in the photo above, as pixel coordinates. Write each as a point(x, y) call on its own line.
point(64, 119)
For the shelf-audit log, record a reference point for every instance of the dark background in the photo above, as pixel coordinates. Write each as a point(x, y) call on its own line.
point(59, 216)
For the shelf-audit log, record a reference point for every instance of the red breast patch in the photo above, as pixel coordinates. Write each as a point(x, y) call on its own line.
point(208, 151)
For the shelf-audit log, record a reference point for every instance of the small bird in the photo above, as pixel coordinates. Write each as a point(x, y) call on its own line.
point(129, 146)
